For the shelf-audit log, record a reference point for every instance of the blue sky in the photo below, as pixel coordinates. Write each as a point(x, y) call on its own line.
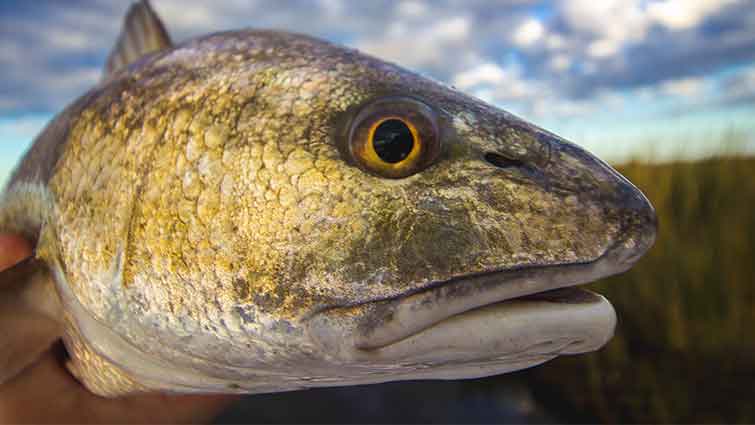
point(655, 78)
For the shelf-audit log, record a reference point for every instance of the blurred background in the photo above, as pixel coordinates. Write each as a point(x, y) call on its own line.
point(662, 89)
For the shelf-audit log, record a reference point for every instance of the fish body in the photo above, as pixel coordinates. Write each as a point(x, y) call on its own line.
point(260, 211)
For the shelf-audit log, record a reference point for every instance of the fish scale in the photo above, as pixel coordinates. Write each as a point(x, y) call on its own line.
point(208, 226)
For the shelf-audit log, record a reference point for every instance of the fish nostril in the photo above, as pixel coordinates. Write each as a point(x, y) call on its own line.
point(501, 161)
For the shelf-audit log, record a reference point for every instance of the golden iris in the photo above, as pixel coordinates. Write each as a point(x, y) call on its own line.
point(394, 137)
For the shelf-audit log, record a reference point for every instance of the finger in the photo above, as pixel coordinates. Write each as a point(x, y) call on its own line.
point(193, 408)
point(42, 384)
point(35, 376)
point(19, 274)
point(25, 331)
point(48, 384)
point(24, 335)
point(13, 249)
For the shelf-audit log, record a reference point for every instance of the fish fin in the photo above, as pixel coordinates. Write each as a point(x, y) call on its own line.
point(143, 32)
point(29, 316)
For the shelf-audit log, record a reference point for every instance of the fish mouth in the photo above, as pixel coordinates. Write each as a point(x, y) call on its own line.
point(485, 323)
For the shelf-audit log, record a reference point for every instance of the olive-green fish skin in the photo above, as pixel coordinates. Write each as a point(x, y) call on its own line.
point(203, 208)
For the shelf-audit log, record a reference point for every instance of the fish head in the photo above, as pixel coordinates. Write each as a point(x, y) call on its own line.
point(313, 216)
point(460, 266)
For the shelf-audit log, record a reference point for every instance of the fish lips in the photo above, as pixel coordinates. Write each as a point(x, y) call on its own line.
point(483, 324)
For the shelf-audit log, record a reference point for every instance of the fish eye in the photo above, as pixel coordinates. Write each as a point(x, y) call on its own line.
point(394, 137)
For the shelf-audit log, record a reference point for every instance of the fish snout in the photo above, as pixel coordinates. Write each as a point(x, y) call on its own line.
point(625, 206)
point(639, 224)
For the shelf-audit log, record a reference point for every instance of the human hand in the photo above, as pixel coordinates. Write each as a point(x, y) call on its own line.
point(45, 392)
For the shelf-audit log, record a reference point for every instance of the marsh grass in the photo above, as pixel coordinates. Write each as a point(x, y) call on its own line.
point(684, 349)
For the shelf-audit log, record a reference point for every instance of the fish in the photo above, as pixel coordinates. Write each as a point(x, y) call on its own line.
point(257, 211)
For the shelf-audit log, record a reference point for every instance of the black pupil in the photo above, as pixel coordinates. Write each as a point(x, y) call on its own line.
point(393, 141)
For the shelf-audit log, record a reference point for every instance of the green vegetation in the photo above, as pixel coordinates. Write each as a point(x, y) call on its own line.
point(684, 349)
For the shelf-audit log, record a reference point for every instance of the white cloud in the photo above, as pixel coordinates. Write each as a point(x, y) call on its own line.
point(23, 128)
point(559, 62)
point(529, 32)
point(411, 9)
point(484, 94)
point(71, 39)
point(331, 7)
point(683, 92)
point(190, 18)
point(429, 46)
point(453, 29)
point(548, 108)
point(739, 87)
point(497, 84)
point(607, 19)
point(691, 87)
point(486, 73)
point(9, 51)
point(684, 14)
point(8, 103)
point(555, 41)
point(608, 26)
point(72, 80)
point(519, 89)
point(603, 47)
point(555, 64)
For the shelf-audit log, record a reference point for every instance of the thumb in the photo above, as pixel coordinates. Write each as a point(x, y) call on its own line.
point(13, 248)
point(25, 333)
